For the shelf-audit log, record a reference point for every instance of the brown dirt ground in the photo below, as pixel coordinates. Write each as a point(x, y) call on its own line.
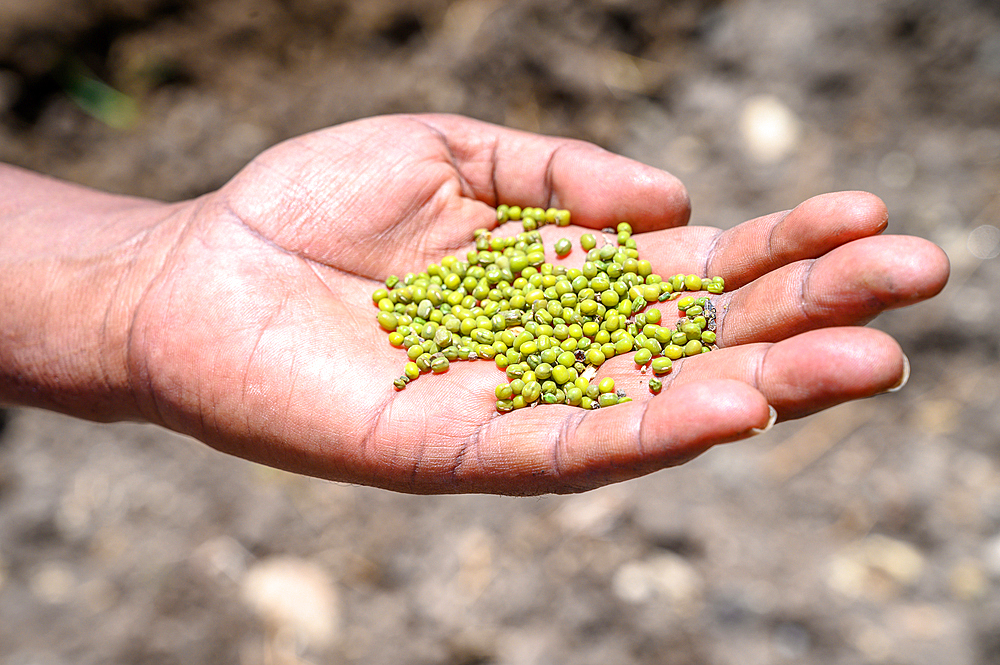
point(867, 534)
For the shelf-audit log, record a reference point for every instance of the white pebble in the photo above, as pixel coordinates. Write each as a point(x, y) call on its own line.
point(984, 242)
point(294, 596)
point(667, 576)
point(770, 130)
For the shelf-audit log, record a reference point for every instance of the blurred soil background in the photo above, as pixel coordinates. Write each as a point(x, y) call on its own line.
point(866, 534)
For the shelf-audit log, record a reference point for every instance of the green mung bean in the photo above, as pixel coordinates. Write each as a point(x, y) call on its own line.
point(546, 326)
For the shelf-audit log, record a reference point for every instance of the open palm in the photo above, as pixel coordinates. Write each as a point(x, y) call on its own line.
point(259, 337)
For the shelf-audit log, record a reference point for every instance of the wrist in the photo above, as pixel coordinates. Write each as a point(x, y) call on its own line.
point(74, 264)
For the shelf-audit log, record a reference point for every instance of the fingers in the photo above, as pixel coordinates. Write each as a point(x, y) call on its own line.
point(815, 266)
point(444, 435)
point(849, 285)
point(812, 229)
point(797, 376)
point(752, 249)
point(809, 372)
point(566, 449)
point(601, 189)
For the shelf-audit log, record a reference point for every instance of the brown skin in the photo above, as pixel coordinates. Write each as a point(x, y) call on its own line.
point(244, 318)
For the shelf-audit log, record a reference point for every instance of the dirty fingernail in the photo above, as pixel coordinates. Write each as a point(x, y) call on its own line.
point(770, 422)
point(903, 379)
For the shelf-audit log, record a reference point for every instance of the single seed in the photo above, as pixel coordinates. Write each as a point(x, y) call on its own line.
point(662, 365)
point(692, 283)
point(595, 357)
point(692, 330)
point(607, 399)
point(674, 351)
point(388, 321)
point(684, 303)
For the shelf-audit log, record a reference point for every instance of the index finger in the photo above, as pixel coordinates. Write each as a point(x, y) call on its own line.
point(502, 165)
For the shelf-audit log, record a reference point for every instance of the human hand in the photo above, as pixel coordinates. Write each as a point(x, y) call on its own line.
point(258, 334)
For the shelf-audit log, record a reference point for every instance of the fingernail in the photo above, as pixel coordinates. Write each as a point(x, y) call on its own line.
point(754, 431)
point(903, 379)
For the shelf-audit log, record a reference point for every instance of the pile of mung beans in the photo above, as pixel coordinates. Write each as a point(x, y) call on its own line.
point(548, 327)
